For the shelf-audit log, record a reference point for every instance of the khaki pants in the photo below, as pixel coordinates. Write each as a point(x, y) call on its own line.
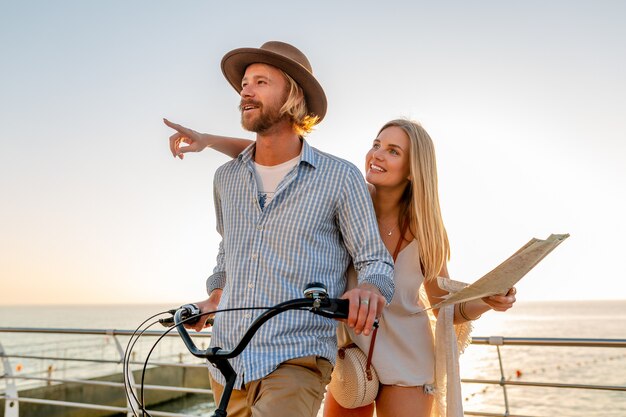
point(295, 389)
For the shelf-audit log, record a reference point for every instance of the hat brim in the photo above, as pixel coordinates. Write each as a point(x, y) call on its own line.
point(234, 66)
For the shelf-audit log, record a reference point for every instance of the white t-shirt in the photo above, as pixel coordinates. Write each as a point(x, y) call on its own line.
point(268, 178)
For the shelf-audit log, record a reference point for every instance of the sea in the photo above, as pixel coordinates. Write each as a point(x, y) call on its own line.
point(557, 319)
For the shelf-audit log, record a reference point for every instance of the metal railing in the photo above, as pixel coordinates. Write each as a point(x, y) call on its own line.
point(11, 392)
point(503, 382)
point(12, 398)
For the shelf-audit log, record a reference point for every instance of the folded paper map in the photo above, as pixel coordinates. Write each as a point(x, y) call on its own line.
point(508, 273)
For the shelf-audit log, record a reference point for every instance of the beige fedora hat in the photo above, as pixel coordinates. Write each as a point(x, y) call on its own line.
point(282, 56)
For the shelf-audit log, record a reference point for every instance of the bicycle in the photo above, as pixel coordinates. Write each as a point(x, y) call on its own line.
point(315, 300)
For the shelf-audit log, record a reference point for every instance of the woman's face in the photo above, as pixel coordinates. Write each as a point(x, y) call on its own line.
point(387, 162)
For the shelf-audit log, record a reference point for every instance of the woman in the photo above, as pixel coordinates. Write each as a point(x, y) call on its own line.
point(401, 170)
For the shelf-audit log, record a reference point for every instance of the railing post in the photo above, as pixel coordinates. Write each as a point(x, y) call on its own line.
point(131, 404)
point(503, 383)
point(11, 404)
point(49, 373)
point(498, 341)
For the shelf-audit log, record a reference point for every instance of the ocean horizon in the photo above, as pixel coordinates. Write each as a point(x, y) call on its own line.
point(539, 318)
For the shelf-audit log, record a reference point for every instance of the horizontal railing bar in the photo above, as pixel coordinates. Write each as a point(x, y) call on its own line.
point(83, 366)
point(88, 406)
point(478, 340)
point(106, 332)
point(63, 358)
point(545, 384)
point(549, 341)
point(56, 345)
point(58, 358)
point(65, 403)
point(116, 384)
point(115, 361)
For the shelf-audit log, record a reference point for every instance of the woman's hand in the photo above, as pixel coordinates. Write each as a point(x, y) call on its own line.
point(501, 302)
point(195, 141)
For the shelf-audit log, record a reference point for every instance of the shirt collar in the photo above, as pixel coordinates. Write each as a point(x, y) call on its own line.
point(307, 154)
point(246, 155)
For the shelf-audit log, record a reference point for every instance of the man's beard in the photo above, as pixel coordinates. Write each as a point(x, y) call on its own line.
point(268, 117)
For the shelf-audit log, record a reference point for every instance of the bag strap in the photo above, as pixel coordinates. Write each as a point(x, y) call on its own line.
point(405, 225)
point(368, 364)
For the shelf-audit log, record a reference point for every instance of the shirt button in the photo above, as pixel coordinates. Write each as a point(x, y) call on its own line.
point(246, 316)
point(250, 285)
point(254, 256)
point(259, 227)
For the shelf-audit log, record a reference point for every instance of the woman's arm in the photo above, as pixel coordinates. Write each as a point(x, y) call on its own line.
point(469, 310)
point(196, 142)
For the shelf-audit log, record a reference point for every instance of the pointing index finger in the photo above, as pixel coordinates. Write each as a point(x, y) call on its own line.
point(177, 127)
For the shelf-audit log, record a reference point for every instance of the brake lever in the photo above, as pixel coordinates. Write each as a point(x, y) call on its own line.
point(189, 310)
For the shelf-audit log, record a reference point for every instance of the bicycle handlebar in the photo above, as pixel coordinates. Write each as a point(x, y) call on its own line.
point(315, 299)
point(317, 304)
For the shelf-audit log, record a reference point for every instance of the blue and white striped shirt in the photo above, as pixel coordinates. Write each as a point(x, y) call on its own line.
point(320, 219)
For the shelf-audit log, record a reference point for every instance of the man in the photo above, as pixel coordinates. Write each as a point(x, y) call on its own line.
point(288, 215)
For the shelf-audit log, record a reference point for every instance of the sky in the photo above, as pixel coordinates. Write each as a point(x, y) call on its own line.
point(525, 101)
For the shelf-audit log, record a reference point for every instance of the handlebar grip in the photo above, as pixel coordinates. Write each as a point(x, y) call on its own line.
point(333, 308)
point(342, 309)
point(188, 310)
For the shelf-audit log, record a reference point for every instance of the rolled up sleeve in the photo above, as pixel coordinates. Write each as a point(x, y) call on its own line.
point(359, 228)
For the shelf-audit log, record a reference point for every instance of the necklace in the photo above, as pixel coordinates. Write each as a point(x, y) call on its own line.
point(388, 232)
point(391, 230)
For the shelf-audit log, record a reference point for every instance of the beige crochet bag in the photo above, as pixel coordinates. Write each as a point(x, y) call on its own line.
point(354, 382)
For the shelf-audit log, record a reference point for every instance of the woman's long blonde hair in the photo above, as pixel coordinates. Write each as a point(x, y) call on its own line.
point(420, 201)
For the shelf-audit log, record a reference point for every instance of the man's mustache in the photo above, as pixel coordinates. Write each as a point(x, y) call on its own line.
point(245, 103)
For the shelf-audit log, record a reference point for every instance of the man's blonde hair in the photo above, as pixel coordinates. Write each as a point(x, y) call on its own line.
point(420, 201)
point(295, 107)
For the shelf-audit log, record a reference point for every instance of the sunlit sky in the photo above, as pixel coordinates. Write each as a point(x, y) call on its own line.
point(526, 103)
